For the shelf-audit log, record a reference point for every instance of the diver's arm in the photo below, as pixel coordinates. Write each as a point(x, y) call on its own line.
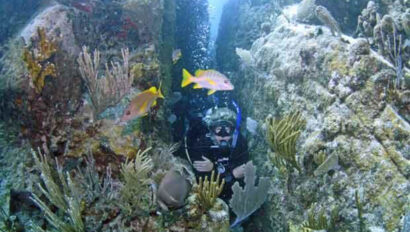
point(204, 165)
point(239, 172)
point(240, 158)
point(201, 157)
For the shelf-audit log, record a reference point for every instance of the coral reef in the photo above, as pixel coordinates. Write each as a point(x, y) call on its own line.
point(306, 11)
point(134, 192)
point(107, 91)
point(79, 191)
point(327, 19)
point(240, 26)
point(367, 20)
point(62, 194)
point(146, 70)
point(57, 22)
point(318, 220)
point(353, 136)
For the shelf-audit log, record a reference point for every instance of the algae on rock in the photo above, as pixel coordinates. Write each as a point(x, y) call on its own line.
point(39, 60)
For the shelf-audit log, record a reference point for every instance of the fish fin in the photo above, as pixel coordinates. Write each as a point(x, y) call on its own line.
point(186, 78)
point(154, 103)
point(153, 89)
point(211, 91)
point(160, 95)
point(143, 109)
point(199, 72)
point(162, 205)
point(197, 86)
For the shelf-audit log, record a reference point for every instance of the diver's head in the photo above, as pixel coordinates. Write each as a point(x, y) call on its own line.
point(221, 124)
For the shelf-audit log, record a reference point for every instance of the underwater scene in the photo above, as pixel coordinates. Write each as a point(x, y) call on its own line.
point(205, 115)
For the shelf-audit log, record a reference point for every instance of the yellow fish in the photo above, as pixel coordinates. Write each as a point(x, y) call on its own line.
point(208, 79)
point(142, 103)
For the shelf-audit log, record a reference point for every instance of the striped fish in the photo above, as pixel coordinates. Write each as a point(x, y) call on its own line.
point(207, 79)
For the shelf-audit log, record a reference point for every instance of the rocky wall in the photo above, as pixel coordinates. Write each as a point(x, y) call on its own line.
point(355, 119)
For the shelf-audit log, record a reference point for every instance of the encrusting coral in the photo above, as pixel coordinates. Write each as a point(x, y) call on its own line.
point(38, 60)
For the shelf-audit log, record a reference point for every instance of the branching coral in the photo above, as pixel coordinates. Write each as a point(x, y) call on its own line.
point(63, 194)
point(38, 60)
point(208, 191)
point(107, 91)
point(134, 191)
point(282, 137)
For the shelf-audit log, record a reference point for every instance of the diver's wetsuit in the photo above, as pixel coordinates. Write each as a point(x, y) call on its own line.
point(224, 160)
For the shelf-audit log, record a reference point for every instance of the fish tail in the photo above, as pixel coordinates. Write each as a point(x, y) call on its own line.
point(186, 78)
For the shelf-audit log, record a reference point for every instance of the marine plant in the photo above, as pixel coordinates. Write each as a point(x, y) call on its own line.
point(108, 90)
point(208, 191)
point(7, 222)
point(38, 59)
point(319, 221)
point(135, 184)
point(390, 45)
point(319, 157)
point(248, 199)
point(61, 193)
point(359, 206)
point(96, 188)
point(282, 135)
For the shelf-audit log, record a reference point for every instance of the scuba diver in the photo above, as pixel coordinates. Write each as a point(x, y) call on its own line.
point(216, 144)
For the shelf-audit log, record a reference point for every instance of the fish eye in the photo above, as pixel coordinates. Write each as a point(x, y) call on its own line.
point(225, 81)
point(128, 112)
